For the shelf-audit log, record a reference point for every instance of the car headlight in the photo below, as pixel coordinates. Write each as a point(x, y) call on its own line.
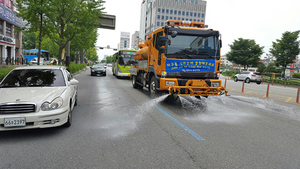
point(170, 83)
point(93, 70)
point(215, 84)
point(55, 104)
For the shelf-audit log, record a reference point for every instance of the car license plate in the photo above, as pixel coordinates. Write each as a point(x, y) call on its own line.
point(15, 122)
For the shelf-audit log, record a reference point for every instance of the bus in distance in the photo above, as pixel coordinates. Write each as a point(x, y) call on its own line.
point(122, 61)
point(30, 54)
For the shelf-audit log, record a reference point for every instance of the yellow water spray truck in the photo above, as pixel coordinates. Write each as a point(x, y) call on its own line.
point(181, 58)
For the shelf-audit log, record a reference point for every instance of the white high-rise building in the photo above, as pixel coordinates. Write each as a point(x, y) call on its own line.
point(155, 13)
point(135, 40)
point(124, 40)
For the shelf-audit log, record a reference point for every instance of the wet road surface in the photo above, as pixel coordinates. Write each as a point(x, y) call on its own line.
point(117, 126)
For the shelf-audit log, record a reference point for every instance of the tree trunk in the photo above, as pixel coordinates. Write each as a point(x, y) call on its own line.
point(40, 36)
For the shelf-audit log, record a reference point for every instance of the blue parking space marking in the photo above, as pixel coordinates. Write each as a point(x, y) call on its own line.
point(195, 135)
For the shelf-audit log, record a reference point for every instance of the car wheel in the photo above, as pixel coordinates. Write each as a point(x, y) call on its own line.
point(75, 104)
point(247, 80)
point(235, 79)
point(69, 122)
point(152, 87)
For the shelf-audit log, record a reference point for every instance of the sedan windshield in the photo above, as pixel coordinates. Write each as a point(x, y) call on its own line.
point(34, 77)
point(193, 47)
point(98, 66)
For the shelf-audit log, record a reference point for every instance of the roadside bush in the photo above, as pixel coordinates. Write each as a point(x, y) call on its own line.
point(5, 70)
point(289, 82)
point(296, 75)
point(271, 74)
point(73, 67)
point(229, 73)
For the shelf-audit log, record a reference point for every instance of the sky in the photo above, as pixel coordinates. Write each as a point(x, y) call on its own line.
point(261, 20)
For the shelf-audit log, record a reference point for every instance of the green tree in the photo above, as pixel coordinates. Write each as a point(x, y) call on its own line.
point(33, 11)
point(261, 67)
point(71, 17)
point(84, 42)
point(286, 49)
point(49, 45)
point(28, 40)
point(245, 52)
point(109, 59)
point(91, 54)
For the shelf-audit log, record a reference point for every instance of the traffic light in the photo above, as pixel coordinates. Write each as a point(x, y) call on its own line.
point(125, 43)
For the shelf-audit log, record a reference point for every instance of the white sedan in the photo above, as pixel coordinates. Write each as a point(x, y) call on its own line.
point(37, 97)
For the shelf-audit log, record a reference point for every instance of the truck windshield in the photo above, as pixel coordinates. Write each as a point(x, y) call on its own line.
point(193, 47)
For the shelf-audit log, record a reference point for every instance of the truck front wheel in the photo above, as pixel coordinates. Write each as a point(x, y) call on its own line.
point(152, 87)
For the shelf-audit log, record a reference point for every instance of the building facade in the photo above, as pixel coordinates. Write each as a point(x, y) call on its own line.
point(10, 38)
point(155, 13)
point(225, 62)
point(124, 40)
point(135, 40)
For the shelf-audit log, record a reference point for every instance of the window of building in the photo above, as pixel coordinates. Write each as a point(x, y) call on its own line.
point(187, 13)
point(203, 15)
point(186, 19)
point(158, 10)
point(163, 17)
point(183, 13)
point(198, 20)
point(167, 11)
point(175, 18)
point(202, 20)
point(161, 24)
point(1, 27)
point(171, 17)
point(157, 24)
point(163, 10)
point(171, 11)
point(195, 14)
point(191, 20)
point(179, 18)
point(175, 12)
point(196, 1)
point(184, 0)
point(199, 15)
point(8, 29)
point(194, 20)
point(158, 16)
point(179, 12)
point(191, 14)
point(167, 17)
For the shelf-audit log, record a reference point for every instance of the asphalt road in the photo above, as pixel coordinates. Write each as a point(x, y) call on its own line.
point(116, 126)
point(287, 94)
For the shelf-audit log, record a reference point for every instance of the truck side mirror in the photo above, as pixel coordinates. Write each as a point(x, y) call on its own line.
point(161, 41)
point(161, 50)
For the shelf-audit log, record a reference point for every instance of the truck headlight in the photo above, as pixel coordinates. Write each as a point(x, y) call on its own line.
point(170, 83)
point(163, 73)
point(215, 84)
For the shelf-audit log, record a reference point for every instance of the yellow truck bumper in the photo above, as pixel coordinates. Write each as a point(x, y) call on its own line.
point(195, 87)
